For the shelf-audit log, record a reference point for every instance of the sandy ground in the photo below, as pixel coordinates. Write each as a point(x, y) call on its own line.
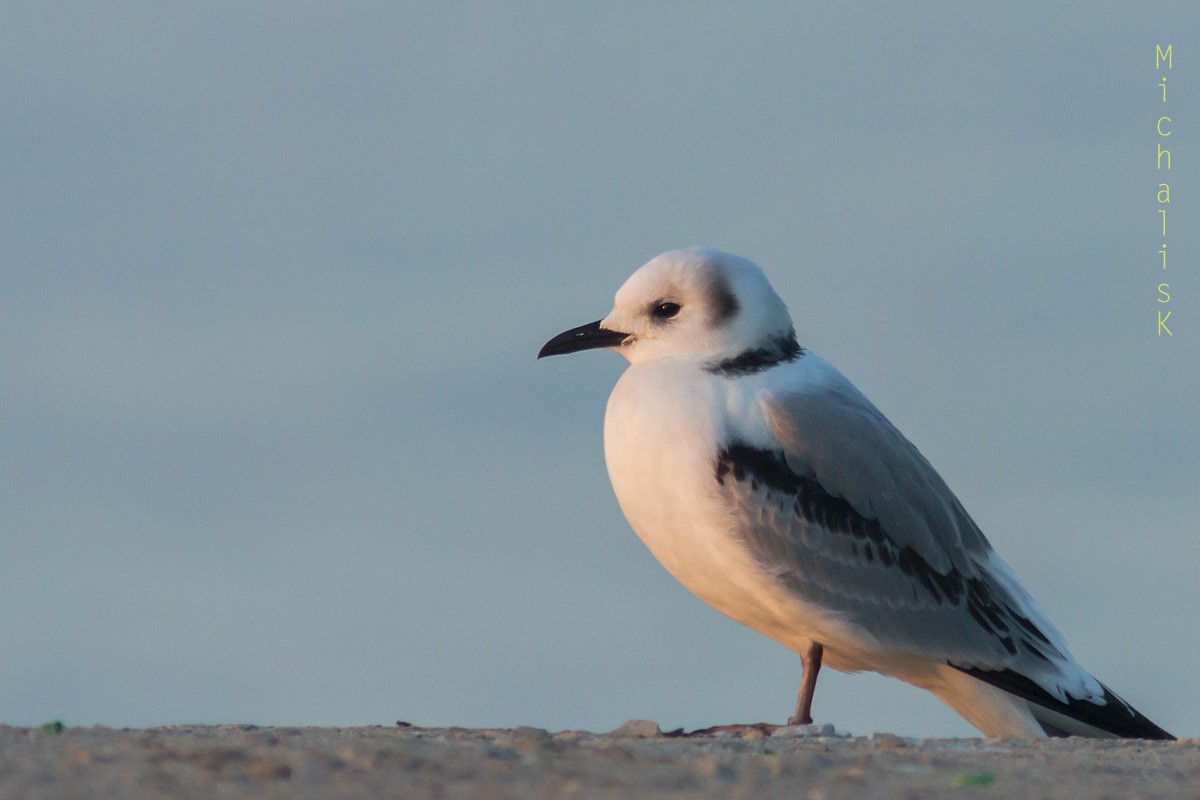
point(232, 761)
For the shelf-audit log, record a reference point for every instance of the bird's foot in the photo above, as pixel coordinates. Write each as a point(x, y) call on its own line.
point(737, 729)
point(757, 730)
point(797, 719)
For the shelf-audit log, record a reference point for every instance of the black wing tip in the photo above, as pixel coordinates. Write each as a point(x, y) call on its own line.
point(1115, 717)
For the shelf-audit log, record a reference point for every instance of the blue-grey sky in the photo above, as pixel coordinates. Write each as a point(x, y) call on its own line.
point(274, 446)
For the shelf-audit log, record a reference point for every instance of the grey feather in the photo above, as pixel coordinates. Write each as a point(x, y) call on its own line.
point(850, 516)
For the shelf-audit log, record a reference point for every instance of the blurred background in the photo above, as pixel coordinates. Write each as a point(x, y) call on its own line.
point(274, 447)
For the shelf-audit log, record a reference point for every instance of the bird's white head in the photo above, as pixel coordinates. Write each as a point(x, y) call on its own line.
point(696, 301)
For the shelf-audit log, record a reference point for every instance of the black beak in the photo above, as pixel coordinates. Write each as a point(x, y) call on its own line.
point(585, 337)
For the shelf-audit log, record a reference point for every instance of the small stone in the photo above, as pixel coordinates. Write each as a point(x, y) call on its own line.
point(887, 741)
point(637, 729)
point(802, 731)
point(526, 732)
point(527, 740)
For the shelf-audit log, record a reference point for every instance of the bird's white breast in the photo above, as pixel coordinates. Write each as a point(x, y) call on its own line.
point(665, 422)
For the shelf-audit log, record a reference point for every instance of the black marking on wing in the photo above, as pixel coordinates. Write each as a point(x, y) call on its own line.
point(987, 606)
point(1114, 716)
point(780, 350)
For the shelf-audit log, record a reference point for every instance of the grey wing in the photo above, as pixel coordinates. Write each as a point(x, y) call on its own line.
point(849, 515)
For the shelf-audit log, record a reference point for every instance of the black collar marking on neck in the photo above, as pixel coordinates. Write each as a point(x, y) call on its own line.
point(987, 605)
point(782, 350)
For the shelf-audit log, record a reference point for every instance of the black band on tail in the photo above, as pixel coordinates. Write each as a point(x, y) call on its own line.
point(1115, 716)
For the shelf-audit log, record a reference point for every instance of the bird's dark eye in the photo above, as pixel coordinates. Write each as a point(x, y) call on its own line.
point(665, 310)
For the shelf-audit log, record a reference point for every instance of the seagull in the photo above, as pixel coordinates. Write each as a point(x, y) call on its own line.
point(775, 491)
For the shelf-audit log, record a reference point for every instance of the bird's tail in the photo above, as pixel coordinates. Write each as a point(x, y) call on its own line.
point(1105, 717)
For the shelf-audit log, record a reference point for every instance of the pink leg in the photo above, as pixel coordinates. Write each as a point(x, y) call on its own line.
point(810, 661)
